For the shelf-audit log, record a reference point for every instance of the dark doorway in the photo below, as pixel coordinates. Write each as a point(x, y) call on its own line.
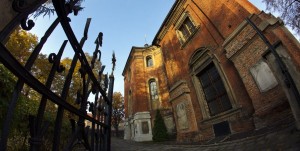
point(222, 129)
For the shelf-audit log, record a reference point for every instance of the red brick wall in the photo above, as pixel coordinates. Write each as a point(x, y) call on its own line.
point(140, 76)
point(216, 21)
point(249, 49)
point(233, 47)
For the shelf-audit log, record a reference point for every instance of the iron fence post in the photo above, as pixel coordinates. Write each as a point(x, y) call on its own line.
point(109, 116)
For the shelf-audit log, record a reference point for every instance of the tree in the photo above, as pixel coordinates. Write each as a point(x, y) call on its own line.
point(7, 82)
point(60, 78)
point(21, 43)
point(47, 9)
point(289, 12)
point(159, 129)
point(117, 110)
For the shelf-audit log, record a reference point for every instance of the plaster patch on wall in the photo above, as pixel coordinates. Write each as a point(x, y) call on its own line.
point(169, 124)
point(263, 76)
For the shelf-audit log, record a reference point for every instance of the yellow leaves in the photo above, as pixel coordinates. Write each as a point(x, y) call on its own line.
point(118, 100)
point(21, 43)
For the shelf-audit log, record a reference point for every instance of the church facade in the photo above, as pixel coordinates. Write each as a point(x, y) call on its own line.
point(146, 91)
point(214, 68)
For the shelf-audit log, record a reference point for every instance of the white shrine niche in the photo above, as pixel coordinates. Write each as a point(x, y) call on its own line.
point(142, 127)
point(263, 76)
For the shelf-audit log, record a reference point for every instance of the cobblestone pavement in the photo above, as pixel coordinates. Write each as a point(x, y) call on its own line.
point(286, 139)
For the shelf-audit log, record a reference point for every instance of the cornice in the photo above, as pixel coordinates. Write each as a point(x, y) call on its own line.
point(173, 15)
point(132, 51)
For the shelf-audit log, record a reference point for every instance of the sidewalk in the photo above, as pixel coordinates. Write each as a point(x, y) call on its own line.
point(278, 140)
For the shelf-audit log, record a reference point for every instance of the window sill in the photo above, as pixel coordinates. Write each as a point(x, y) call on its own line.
point(183, 44)
point(221, 116)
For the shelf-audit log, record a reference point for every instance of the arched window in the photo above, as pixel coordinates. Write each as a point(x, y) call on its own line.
point(153, 90)
point(149, 61)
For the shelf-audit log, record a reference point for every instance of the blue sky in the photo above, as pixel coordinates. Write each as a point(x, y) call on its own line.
point(124, 24)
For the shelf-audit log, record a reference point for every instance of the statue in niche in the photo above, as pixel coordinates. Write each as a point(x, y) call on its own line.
point(145, 127)
point(181, 116)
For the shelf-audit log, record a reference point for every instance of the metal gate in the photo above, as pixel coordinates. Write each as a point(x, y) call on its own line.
point(95, 138)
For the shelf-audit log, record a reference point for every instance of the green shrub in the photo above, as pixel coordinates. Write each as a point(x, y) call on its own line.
point(159, 129)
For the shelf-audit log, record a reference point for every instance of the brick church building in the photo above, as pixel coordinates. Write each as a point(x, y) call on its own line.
point(211, 73)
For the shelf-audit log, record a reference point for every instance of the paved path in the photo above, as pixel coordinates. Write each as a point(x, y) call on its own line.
point(287, 139)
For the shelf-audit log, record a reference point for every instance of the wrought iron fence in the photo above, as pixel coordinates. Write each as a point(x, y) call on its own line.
point(95, 138)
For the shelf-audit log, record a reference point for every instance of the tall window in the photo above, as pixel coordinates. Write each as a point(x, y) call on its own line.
point(214, 90)
point(149, 61)
point(186, 30)
point(129, 104)
point(129, 74)
point(153, 90)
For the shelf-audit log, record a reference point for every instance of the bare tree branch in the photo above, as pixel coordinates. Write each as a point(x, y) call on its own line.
point(289, 12)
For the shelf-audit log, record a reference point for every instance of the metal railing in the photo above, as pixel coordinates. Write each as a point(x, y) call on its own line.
point(95, 138)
